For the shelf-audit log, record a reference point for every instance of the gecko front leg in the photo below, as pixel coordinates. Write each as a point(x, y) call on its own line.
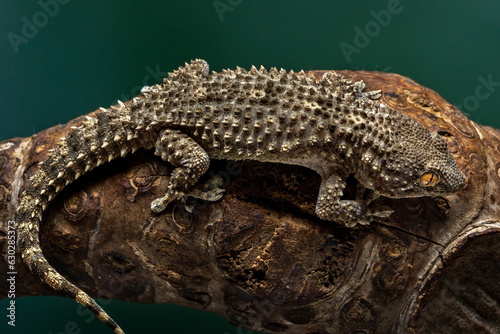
point(189, 159)
point(330, 206)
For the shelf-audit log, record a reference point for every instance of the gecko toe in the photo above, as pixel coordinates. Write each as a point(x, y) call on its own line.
point(382, 212)
point(212, 195)
point(209, 191)
point(158, 205)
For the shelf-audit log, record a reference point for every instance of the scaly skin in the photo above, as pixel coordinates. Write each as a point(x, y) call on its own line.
point(330, 126)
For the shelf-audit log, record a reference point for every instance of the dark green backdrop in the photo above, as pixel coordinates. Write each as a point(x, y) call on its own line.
point(59, 63)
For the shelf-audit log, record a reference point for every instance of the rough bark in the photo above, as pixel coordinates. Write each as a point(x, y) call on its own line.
point(260, 257)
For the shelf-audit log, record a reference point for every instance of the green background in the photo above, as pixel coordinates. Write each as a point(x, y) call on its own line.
point(91, 53)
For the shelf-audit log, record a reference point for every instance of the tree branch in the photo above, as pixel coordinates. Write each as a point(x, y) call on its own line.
point(260, 257)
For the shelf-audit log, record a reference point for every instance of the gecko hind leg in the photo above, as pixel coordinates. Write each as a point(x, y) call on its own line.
point(190, 161)
point(372, 95)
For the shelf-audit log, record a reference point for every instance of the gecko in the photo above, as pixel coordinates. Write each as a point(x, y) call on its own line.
point(330, 126)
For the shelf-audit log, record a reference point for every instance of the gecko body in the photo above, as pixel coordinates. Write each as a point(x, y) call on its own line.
point(330, 126)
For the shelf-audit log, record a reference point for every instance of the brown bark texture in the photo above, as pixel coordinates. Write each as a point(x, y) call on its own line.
point(259, 256)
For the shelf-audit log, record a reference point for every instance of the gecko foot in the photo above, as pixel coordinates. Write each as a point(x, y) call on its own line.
point(373, 95)
point(330, 205)
point(352, 212)
point(160, 204)
point(368, 215)
point(210, 191)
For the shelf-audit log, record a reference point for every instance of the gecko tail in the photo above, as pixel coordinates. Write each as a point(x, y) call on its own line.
point(39, 266)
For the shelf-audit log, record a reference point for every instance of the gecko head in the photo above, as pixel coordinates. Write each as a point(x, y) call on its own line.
point(422, 165)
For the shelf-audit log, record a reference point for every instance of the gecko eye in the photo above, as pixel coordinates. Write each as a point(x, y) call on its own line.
point(429, 179)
